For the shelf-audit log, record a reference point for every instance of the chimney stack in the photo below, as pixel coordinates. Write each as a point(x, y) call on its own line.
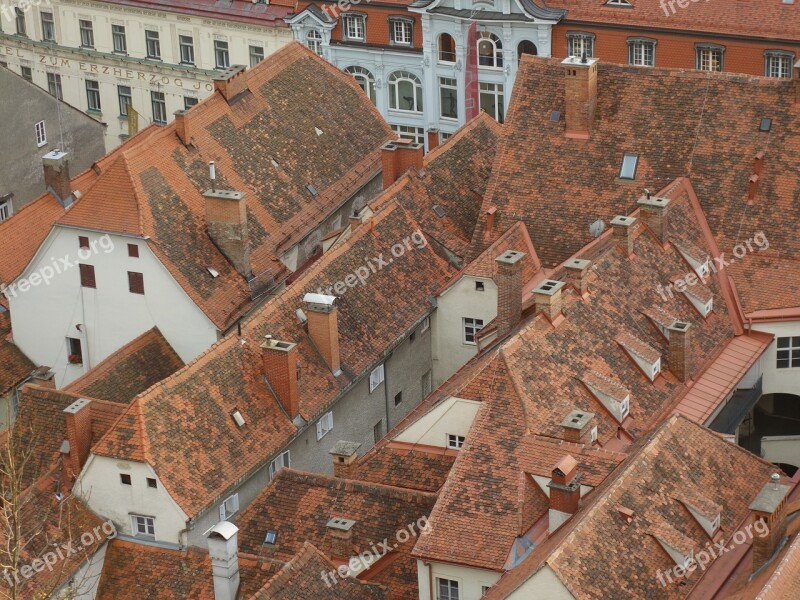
point(341, 532)
point(44, 377)
point(490, 214)
point(323, 328)
point(679, 353)
point(344, 456)
point(565, 492)
point(397, 157)
point(182, 126)
point(433, 139)
point(579, 427)
point(226, 221)
point(231, 82)
point(654, 211)
point(78, 416)
point(56, 176)
point(281, 368)
point(223, 549)
point(769, 512)
point(623, 232)
point(577, 275)
point(758, 163)
point(580, 94)
point(548, 298)
point(509, 291)
point(356, 219)
point(752, 188)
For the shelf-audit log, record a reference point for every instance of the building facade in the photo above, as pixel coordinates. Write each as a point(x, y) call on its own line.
point(104, 57)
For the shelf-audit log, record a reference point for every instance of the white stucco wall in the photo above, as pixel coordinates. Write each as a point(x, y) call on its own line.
point(470, 581)
point(775, 380)
point(544, 585)
point(454, 416)
point(46, 314)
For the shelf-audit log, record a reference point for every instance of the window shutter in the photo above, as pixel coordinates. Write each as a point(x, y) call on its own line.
point(235, 499)
point(319, 429)
point(222, 514)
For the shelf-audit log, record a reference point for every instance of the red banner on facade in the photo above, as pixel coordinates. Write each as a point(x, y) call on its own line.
point(473, 104)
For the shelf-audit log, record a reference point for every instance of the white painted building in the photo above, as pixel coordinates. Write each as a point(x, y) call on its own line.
point(105, 56)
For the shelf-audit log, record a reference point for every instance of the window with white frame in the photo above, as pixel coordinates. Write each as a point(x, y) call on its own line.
point(120, 41)
point(48, 27)
point(710, 57)
point(87, 33)
point(376, 378)
point(490, 50)
point(447, 48)
point(415, 134)
point(426, 323)
point(471, 328)
point(314, 41)
point(455, 441)
point(491, 98)
point(27, 73)
point(365, 79)
point(447, 589)
point(788, 352)
point(125, 99)
point(579, 43)
point(642, 52)
point(281, 461)
point(20, 16)
point(354, 26)
point(54, 85)
point(405, 92)
point(256, 55)
point(93, 95)
point(324, 425)
point(448, 96)
point(229, 507)
point(41, 134)
point(143, 526)
point(152, 43)
point(778, 64)
point(186, 43)
point(221, 56)
point(5, 209)
point(401, 31)
point(159, 104)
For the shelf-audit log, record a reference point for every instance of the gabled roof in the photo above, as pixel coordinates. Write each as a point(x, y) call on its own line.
point(516, 238)
point(423, 469)
point(128, 372)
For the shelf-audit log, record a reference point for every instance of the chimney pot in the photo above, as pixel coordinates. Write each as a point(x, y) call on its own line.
point(490, 215)
point(577, 274)
point(623, 232)
point(578, 427)
point(231, 82)
point(78, 416)
point(580, 94)
point(323, 328)
point(679, 353)
point(547, 296)
point(752, 188)
point(280, 367)
point(397, 157)
point(44, 377)
point(433, 139)
point(565, 492)
point(356, 219)
point(653, 211)
point(344, 456)
point(223, 550)
point(182, 126)
point(509, 291)
point(341, 534)
point(226, 221)
point(758, 163)
point(56, 176)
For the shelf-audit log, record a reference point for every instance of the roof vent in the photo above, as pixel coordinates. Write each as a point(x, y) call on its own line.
point(238, 418)
point(597, 228)
point(318, 131)
point(312, 190)
point(439, 211)
point(766, 125)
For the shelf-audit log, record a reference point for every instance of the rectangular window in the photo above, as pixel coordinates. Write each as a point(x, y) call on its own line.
point(426, 323)
point(398, 398)
point(279, 463)
point(447, 589)
point(133, 251)
point(120, 41)
point(455, 441)
point(153, 44)
point(41, 134)
point(375, 378)
point(401, 32)
point(189, 102)
point(54, 85)
point(48, 27)
point(471, 328)
point(354, 27)
point(642, 53)
point(75, 356)
point(256, 55)
point(135, 283)
point(27, 73)
point(415, 134)
point(93, 95)
point(492, 100)
point(125, 479)
point(144, 526)
point(324, 425)
point(20, 15)
point(448, 94)
point(788, 352)
point(159, 104)
point(87, 276)
point(229, 507)
point(427, 382)
point(709, 58)
point(125, 99)
point(629, 164)
point(578, 43)
point(377, 431)
point(83, 242)
point(221, 54)
point(87, 33)
point(5, 210)
point(152, 483)
point(779, 65)
point(187, 49)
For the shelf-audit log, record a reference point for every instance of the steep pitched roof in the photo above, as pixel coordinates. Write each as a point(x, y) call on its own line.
point(412, 468)
point(128, 372)
point(516, 238)
point(15, 365)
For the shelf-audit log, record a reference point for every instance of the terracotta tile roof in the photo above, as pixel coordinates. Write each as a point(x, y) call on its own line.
point(413, 468)
point(600, 555)
point(299, 505)
point(516, 238)
point(128, 372)
point(154, 187)
point(300, 580)
point(606, 385)
point(637, 347)
point(538, 456)
point(765, 19)
point(15, 365)
point(767, 282)
point(784, 584)
point(168, 425)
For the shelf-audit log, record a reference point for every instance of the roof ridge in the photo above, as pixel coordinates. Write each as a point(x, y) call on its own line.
point(331, 481)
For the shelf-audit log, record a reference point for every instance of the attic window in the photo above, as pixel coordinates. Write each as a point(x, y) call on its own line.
point(271, 537)
point(438, 210)
point(646, 357)
point(623, 3)
point(311, 189)
point(479, 286)
point(766, 125)
point(629, 164)
point(703, 305)
point(238, 418)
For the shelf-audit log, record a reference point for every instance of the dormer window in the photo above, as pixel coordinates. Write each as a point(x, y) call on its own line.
point(704, 511)
point(623, 3)
point(647, 358)
point(354, 27)
point(701, 298)
point(613, 395)
point(696, 258)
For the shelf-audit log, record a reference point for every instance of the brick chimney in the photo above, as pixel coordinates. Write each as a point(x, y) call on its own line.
point(182, 126)
point(340, 531)
point(56, 176)
point(490, 216)
point(679, 354)
point(624, 228)
point(397, 157)
point(654, 212)
point(547, 296)
point(226, 221)
point(281, 367)
point(579, 427)
point(231, 82)
point(768, 511)
point(758, 163)
point(323, 328)
point(576, 273)
point(44, 377)
point(223, 550)
point(580, 94)
point(509, 291)
point(565, 491)
point(356, 219)
point(78, 416)
point(433, 139)
point(344, 457)
point(752, 188)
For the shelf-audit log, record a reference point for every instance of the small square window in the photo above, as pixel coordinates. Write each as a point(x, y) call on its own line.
point(125, 479)
point(83, 242)
point(471, 329)
point(479, 286)
point(426, 323)
point(398, 398)
point(144, 526)
point(133, 250)
point(455, 441)
point(152, 483)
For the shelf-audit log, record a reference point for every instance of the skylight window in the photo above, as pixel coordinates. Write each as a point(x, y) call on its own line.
point(311, 189)
point(271, 537)
point(237, 416)
point(629, 164)
point(555, 116)
point(766, 125)
point(438, 210)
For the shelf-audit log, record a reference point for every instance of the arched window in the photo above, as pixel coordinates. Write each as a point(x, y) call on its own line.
point(314, 41)
point(490, 50)
point(365, 79)
point(526, 47)
point(447, 48)
point(405, 92)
